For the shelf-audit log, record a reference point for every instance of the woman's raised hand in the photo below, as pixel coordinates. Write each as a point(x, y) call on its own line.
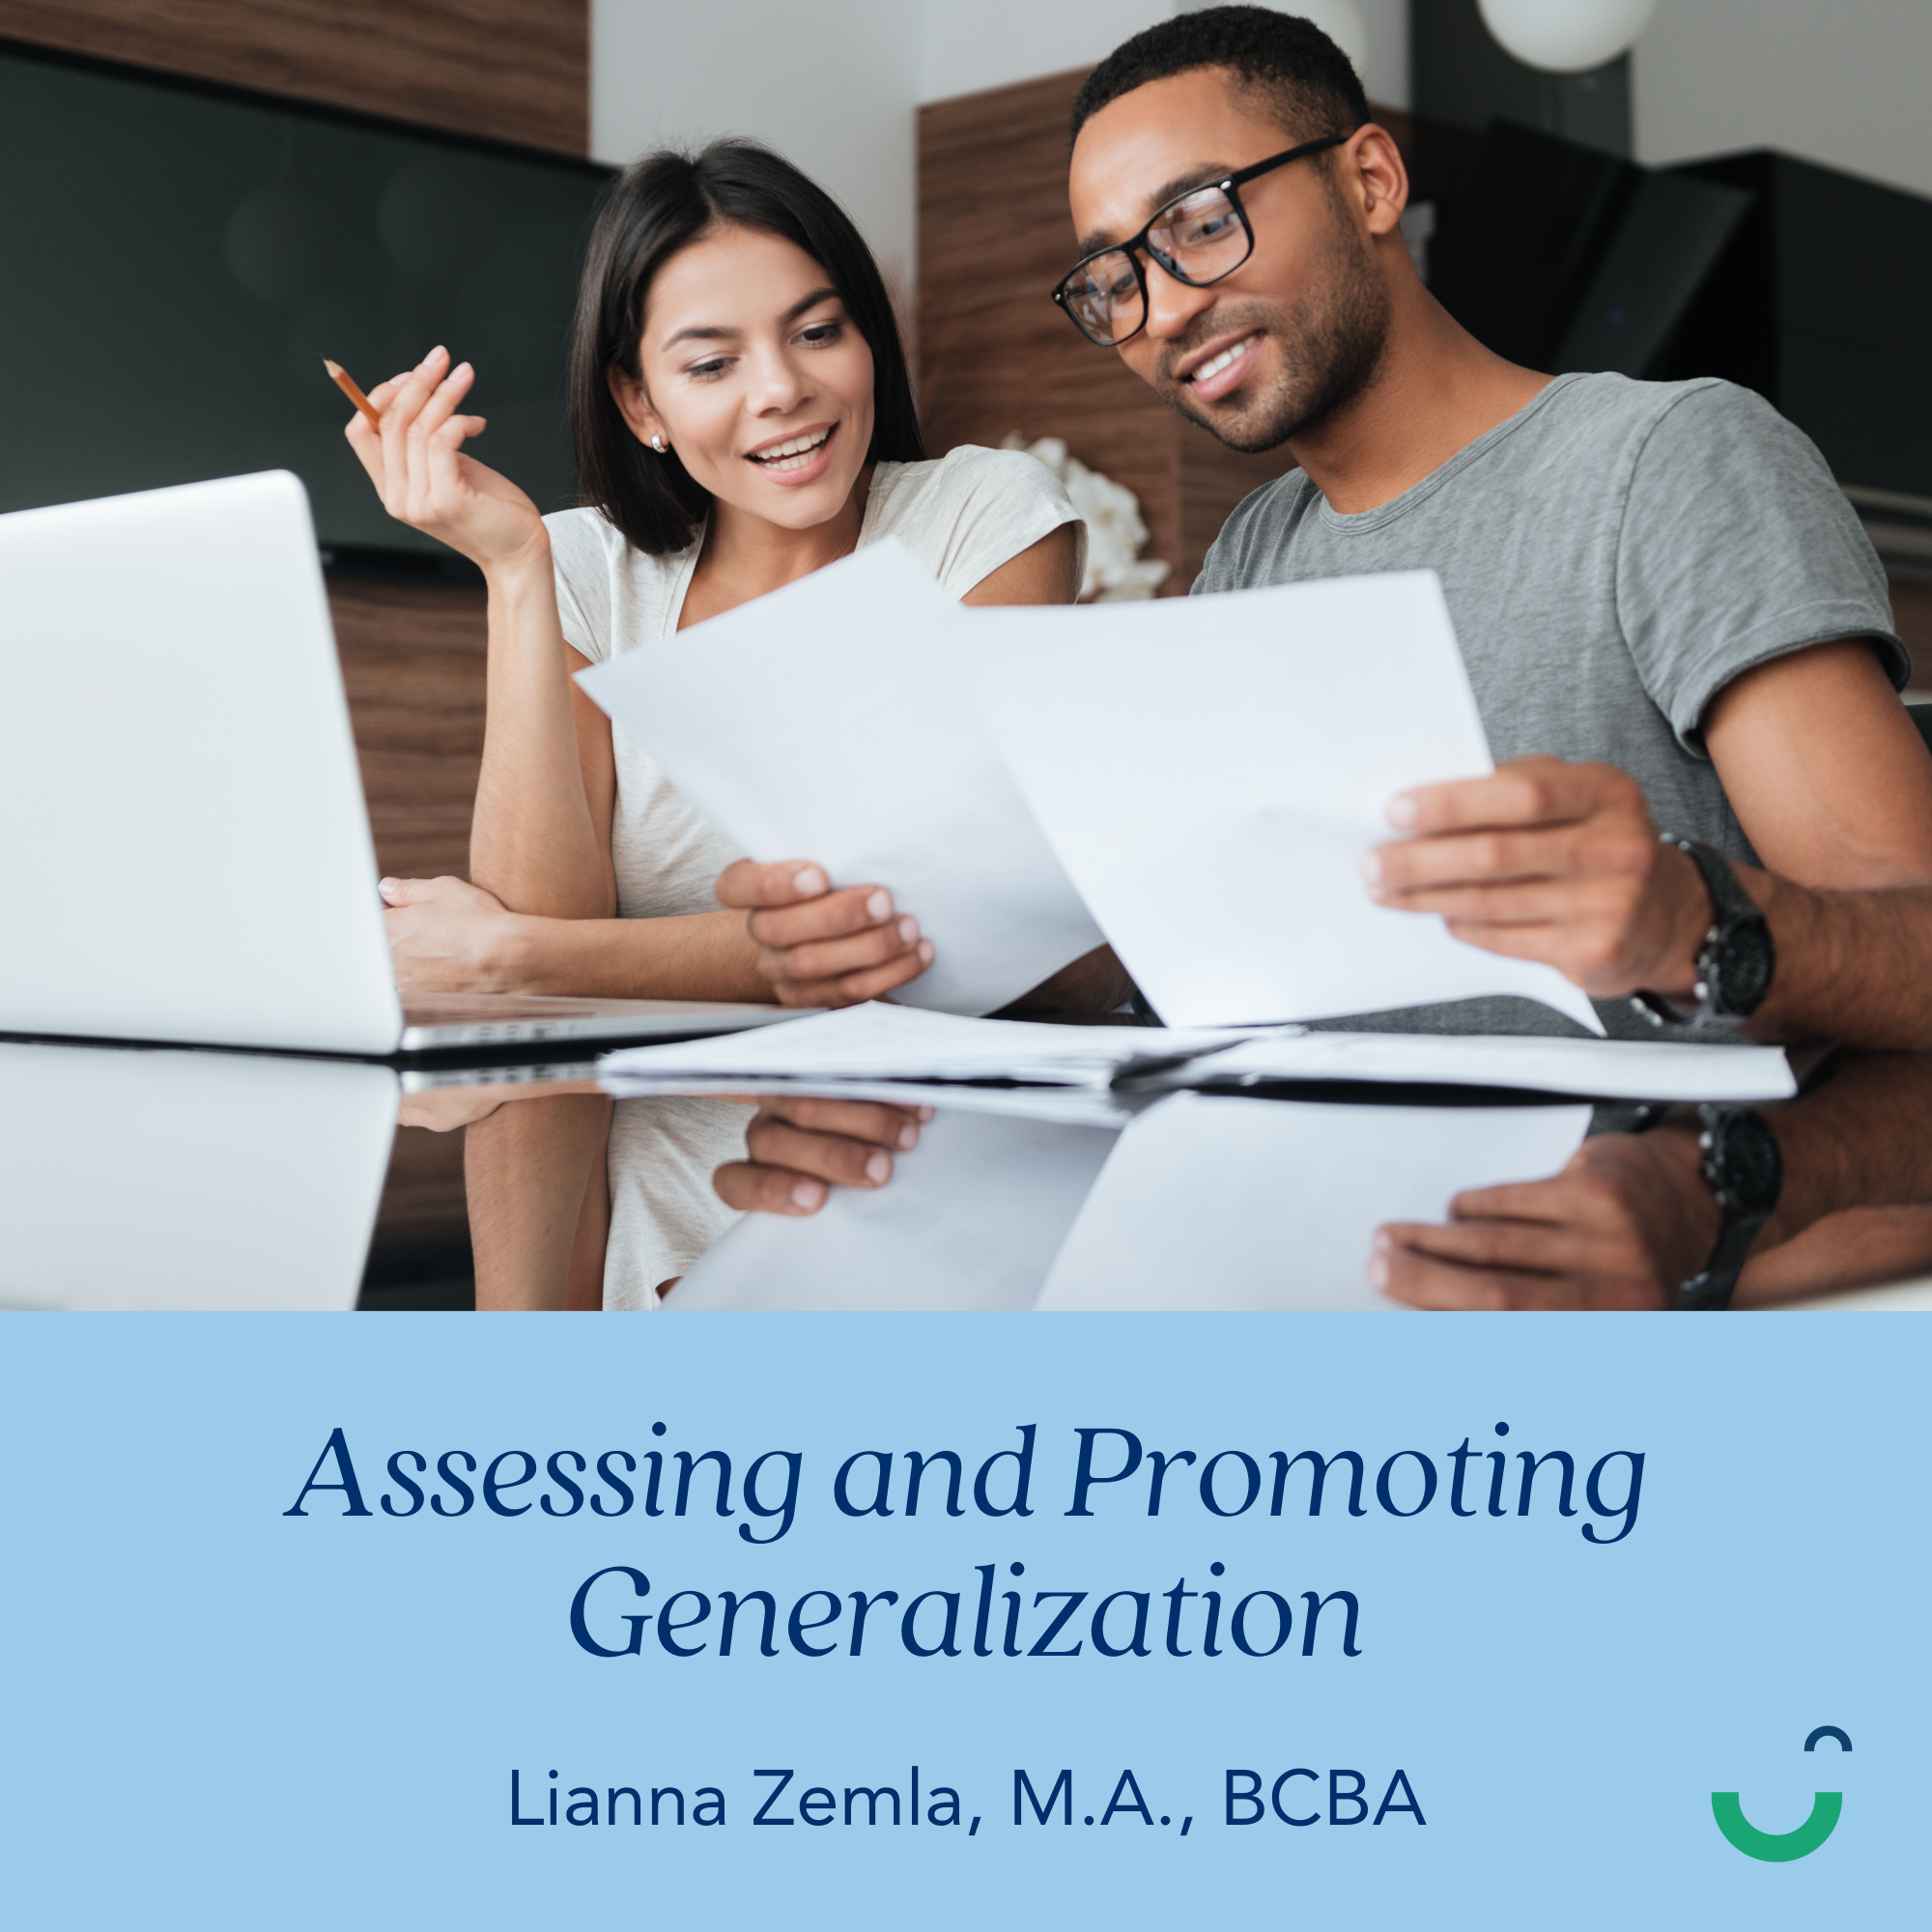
point(417, 466)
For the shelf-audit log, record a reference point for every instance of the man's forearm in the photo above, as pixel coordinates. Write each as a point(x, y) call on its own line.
point(1093, 985)
point(1858, 1181)
point(1855, 967)
point(1862, 1139)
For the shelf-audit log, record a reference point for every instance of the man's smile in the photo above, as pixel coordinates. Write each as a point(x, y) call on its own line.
point(1220, 371)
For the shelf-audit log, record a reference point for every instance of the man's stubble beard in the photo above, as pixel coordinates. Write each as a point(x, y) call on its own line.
point(1330, 345)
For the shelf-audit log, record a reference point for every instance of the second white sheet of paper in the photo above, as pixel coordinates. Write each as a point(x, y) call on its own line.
point(1213, 771)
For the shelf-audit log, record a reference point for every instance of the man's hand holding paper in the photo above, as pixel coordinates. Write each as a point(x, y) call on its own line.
point(1553, 862)
point(1213, 772)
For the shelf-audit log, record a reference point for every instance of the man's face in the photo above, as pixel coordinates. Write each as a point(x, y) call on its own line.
point(1297, 331)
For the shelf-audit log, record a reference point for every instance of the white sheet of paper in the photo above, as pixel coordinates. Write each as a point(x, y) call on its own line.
point(880, 1041)
point(829, 721)
point(1217, 1202)
point(1212, 771)
point(971, 1219)
point(1610, 1069)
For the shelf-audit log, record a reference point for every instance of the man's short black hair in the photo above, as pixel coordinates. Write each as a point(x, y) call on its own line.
point(1307, 79)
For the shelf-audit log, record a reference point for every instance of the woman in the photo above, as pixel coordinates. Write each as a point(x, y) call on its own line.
point(742, 416)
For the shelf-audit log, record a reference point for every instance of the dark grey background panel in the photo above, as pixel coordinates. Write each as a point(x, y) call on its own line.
point(179, 260)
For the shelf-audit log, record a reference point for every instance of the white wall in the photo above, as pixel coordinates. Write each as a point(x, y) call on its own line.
point(831, 86)
point(835, 86)
point(970, 45)
point(1848, 83)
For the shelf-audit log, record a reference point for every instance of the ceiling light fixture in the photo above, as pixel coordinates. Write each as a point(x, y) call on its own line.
point(1567, 36)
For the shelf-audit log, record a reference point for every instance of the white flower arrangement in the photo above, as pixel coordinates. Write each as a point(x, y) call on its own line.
point(1116, 570)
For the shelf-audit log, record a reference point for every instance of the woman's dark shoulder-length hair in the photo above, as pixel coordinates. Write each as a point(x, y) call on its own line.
point(653, 209)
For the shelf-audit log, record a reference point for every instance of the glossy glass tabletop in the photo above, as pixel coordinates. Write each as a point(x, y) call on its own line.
point(165, 1179)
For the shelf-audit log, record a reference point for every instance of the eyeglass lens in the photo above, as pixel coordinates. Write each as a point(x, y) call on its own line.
point(1198, 238)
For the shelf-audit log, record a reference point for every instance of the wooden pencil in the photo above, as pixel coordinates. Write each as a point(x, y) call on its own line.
point(346, 383)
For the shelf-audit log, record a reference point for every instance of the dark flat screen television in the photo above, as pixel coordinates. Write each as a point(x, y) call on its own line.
point(176, 260)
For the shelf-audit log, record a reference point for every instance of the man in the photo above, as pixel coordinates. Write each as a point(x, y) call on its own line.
point(1669, 614)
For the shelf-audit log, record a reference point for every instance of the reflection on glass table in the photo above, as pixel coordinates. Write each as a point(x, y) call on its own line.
point(135, 1178)
point(171, 1179)
point(1305, 1198)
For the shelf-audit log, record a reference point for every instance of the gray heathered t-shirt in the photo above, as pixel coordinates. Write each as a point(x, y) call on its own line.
point(1613, 556)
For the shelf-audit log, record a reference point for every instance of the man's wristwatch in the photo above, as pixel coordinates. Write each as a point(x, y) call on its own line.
point(1736, 961)
point(1743, 1169)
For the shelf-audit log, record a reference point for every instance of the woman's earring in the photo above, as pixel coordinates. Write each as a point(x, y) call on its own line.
point(658, 445)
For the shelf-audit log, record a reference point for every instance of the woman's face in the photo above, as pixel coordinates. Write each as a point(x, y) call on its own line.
point(755, 376)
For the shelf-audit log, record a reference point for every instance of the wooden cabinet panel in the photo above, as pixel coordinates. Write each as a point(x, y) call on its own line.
point(412, 666)
point(508, 70)
point(422, 1226)
point(996, 354)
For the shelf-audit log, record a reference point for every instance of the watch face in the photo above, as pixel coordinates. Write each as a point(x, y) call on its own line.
point(1741, 957)
point(1744, 1159)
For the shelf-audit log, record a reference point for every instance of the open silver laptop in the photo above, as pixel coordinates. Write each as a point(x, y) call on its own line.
point(185, 852)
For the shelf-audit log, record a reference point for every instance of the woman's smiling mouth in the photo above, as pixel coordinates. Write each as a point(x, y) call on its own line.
point(794, 454)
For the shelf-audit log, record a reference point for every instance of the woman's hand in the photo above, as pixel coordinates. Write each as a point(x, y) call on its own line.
point(445, 1109)
point(417, 466)
point(448, 936)
point(801, 1149)
point(819, 948)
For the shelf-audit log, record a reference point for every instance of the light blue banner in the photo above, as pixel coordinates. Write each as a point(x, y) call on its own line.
point(1442, 1699)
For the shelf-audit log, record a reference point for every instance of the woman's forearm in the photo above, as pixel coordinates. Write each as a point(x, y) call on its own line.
point(529, 1170)
point(533, 841)
point(696, 956)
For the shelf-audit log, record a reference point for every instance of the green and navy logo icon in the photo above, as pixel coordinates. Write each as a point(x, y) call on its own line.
point(1781, 1847)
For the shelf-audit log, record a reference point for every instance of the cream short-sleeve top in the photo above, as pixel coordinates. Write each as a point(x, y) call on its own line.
point(963, 517)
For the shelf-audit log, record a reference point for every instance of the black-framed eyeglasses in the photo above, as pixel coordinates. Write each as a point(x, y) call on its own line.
point(1198, 237)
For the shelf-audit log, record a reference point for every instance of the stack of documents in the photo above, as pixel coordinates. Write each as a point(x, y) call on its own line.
point(883, 1041)
point(1604, 1070)
point(879, 1044)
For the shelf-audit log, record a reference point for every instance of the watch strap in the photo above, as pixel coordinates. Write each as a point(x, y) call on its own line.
point(1711, 1288)
point(1745, 1182)
point(1733, 911)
